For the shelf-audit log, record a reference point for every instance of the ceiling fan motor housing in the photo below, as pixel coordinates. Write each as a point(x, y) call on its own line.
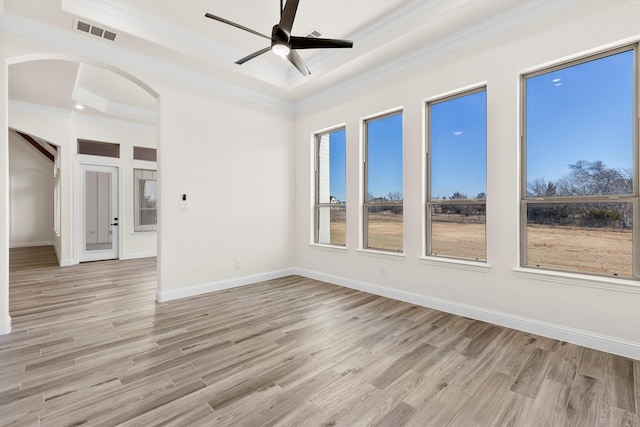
point(278, 34)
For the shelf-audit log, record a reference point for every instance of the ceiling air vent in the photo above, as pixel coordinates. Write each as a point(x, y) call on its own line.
point(314, 33)
point(95, 30)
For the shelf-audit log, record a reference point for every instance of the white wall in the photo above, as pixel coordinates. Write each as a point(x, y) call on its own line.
point(5, 319)
point(31, 194)
point(233, 161)
point(602, 313)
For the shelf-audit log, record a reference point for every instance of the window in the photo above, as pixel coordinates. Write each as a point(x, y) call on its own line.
point(97, 148)
point(580, 166)
point(144, 153)
point(456, 190)
point(145, 200)
point(330, 200)
point(383, 205)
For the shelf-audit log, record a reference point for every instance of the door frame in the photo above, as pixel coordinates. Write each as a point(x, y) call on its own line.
point(87, 160)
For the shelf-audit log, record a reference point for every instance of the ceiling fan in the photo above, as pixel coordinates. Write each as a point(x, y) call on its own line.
point(283, 43)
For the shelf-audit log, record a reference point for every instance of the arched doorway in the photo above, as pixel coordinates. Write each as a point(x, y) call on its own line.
point(101, 90)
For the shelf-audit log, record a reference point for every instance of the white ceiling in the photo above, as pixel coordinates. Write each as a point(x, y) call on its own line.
point(177, 33)
point(64, 84)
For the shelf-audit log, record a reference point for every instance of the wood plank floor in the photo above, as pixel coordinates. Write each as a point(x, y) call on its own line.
point(90, 346)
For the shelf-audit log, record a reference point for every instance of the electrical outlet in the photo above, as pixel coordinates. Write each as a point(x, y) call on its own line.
point(383, 271)
point(237, 265)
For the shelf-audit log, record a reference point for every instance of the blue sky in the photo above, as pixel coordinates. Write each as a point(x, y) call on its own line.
point(337, 164)
point(584, 112)
point(458, 140)
point(384, 155)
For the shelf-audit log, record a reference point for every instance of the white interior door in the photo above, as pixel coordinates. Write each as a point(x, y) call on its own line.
point(100, 217)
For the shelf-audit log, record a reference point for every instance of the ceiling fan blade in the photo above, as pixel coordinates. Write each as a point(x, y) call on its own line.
point(314, 43)
point(288, 15)
point(253, 55)
point(233, 24)
point(297, 61)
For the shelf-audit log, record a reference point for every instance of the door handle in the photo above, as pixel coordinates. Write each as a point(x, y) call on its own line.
point(115, 223)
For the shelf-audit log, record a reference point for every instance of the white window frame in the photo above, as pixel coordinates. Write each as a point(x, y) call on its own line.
point(438, 202)
point(138, 228)
point(318, 206)
point(632, 198)
point(366, 204)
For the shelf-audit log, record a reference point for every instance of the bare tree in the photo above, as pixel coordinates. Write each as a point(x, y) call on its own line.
point(394, 196)
point(458, 195)
point(594, 178)
point(584, 179)
point(541, 188)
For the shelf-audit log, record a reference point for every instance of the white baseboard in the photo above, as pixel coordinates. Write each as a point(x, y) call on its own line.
point(173, 294)
point(29, 244)
point(5, 326)
point(621, 347)
point(137, 255)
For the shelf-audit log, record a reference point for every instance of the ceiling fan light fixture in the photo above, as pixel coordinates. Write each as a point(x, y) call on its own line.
point(281, 49)
point(283, 44)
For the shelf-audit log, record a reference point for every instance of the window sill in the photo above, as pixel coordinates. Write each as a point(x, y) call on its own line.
point(459, 264)
point(381, 254)
point(576, 279)
point(329, 247)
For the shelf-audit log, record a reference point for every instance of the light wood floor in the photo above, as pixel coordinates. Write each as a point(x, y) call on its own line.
point(91, 346)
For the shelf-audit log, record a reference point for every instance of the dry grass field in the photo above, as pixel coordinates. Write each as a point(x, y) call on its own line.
point(596, 250)
point(338, 227)
point(459, 240)
point(385, 232)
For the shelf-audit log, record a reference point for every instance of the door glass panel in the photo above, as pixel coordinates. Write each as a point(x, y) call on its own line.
point(98, 232)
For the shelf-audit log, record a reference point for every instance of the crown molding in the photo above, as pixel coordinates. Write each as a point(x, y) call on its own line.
point(407, 19)
point(88, 99)
point(82, 117)
point(114, 108)
point(116, 56)
point(512, 18)
point(127, 110)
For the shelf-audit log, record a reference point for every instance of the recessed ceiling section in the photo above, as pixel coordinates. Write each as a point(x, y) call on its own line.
point(113, 87)
point(66, 85)
point(113, 95)
point(175, 39)
point(48, 83)
point(181, 26)
point(164, 30)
